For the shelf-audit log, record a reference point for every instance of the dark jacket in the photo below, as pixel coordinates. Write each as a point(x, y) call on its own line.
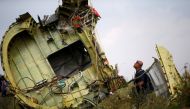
point(142, 76)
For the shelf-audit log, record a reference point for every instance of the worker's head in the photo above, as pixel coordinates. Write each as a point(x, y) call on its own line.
point(138, 65)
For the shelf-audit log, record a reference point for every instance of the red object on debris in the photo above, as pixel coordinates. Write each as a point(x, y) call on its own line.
point(76, 21)
point(93, 10)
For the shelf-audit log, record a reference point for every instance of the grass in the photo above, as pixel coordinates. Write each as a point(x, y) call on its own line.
point(8, 102)
point(124, 99)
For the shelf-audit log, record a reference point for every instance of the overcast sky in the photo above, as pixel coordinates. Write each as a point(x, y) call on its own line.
point(128, 29)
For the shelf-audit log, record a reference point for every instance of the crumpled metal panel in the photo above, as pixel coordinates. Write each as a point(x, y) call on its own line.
point(170, 71)
point(158, 79)
point(25, 48)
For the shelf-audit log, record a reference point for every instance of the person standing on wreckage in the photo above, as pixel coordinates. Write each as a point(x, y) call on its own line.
point(142, 81)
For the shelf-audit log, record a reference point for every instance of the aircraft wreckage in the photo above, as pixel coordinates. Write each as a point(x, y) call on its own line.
point(59, 63)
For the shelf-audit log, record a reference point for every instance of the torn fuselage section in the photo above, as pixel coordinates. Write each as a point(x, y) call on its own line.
point(158, 79)
point(58, 62)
